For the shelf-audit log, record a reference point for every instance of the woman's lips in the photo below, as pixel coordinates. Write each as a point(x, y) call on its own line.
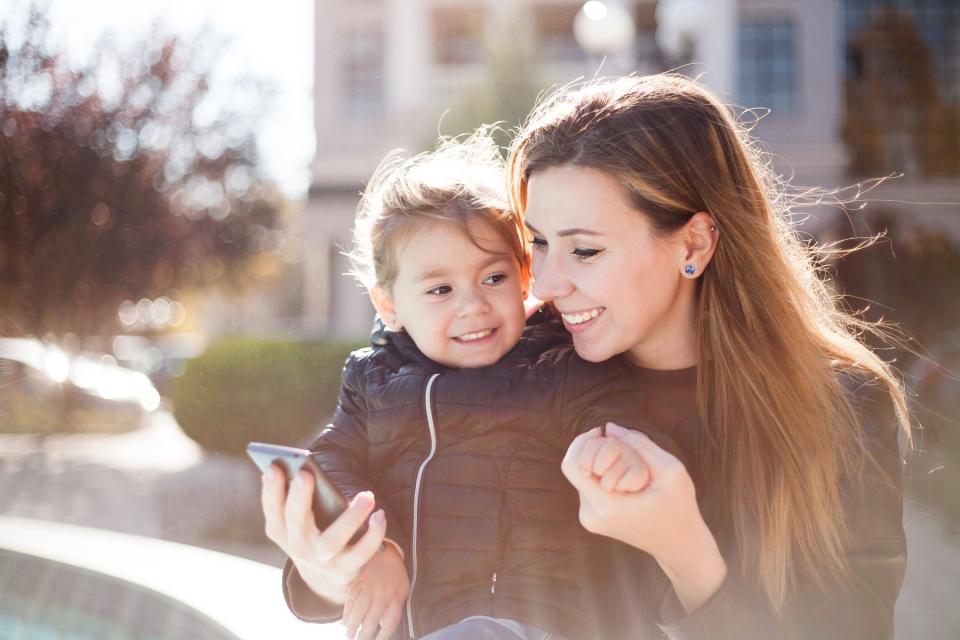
point(579, 321)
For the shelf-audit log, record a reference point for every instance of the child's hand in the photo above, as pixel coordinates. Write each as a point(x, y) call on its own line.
point(324, 559)
point(616, 465)
point(375, 598)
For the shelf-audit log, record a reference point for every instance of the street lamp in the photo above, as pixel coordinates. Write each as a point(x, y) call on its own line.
point(681, 24)
point(701, 32)
point(605, 29)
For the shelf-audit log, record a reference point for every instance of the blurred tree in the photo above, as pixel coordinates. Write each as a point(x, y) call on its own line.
point(120, 180)
point(508, 89)
point(910, 277)
point(896, 117)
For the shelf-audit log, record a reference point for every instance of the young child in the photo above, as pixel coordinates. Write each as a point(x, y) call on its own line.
point(458, 418)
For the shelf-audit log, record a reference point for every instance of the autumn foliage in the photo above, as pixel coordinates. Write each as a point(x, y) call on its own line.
point(119, 181)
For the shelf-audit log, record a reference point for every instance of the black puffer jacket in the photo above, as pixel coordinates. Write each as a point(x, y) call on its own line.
point(466, 464)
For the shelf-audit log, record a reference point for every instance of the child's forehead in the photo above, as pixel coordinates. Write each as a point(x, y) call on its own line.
point(437, 249)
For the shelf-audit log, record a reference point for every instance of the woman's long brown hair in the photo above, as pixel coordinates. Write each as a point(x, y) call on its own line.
point(772, 339)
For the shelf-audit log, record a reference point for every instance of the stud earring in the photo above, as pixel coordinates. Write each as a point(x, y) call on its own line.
point(713, 227)
point(689, 270)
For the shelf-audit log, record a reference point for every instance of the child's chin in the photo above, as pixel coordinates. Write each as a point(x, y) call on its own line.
point(476, 361)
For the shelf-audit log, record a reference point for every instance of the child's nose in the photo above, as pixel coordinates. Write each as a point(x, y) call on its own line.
point(473, 302)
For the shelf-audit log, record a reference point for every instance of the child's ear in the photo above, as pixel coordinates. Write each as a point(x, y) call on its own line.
point(525, 282)
point(383, 303)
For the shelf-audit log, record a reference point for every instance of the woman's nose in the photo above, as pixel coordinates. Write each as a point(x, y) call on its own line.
point(549, 280)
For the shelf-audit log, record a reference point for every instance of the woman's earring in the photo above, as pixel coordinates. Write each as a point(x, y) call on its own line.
point(689, 270)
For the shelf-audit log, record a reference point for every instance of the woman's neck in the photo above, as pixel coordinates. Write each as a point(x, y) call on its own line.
point(669, 346)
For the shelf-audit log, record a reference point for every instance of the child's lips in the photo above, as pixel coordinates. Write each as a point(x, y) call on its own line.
point(476, 337)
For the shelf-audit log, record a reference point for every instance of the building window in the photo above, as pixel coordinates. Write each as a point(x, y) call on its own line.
point(363, 67)
point(554, 24)
point(902, 87)
point(768, 64)
point(458, 35)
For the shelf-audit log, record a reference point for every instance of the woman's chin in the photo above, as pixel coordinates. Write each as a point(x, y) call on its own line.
point(590, 351)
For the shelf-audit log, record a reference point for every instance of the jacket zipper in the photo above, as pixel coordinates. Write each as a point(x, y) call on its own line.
point(416, 500)
point(504, 526)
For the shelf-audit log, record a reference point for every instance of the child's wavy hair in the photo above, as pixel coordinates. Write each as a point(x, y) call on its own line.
point(462, 180)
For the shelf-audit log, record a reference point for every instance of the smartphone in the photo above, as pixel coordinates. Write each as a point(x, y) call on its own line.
point(328, 502)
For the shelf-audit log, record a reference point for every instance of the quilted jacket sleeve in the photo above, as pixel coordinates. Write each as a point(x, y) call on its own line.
point(341, 451)
point(861, 607)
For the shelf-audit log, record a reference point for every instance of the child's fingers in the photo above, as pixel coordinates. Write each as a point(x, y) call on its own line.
point(609, 452)
point(635, 478)
point(390, 619)
point(273, 496)
point(338, 534)
point(371, 621)
point(355, 557)
point(355, 610)
point(298, 510)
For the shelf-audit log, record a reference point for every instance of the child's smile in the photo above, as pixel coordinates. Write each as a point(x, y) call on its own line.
point(459, 297)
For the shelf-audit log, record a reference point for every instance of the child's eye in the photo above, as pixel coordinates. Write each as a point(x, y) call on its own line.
point(539, 244)
point(442, 290)
point(496, 278)
point(584, 255)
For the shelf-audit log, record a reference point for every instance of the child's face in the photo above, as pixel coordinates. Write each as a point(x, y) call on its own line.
point(461, 304)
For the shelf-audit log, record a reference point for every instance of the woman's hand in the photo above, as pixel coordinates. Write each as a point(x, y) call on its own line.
point(615, 464)
point(662, 519)
point(375, 598)
point(324, 560)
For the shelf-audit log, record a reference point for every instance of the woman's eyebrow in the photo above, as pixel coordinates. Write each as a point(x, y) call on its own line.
point(576, 231)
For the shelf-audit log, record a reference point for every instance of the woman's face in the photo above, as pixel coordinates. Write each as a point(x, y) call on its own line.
point(618, 286)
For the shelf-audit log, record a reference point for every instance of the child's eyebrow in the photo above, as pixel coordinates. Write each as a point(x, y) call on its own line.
point(576, 231)
point(441, 272)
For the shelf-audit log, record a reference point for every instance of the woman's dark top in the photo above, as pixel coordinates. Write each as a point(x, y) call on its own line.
point(637, 601)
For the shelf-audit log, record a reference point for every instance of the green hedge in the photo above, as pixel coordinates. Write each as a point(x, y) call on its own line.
point(245, 389)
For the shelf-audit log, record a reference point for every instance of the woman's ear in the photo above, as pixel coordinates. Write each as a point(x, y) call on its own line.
point(383, 303)
point(700, 236)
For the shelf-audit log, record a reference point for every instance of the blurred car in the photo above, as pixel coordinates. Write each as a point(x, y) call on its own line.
point(44, 389)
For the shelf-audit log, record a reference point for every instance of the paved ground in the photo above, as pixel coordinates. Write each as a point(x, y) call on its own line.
point(153, 481)
point(156, 482)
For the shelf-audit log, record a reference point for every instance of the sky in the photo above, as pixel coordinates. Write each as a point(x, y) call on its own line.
point(267, 39)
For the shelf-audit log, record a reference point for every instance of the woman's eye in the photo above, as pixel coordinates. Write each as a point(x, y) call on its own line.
point(584, 255)
point(539, 244)
point(442, 290)
point(496, 278)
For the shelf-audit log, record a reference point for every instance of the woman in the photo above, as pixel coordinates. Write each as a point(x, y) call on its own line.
point(659, 237)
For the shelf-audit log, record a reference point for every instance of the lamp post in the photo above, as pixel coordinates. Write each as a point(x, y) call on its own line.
point(701, 32)
point(606, 30)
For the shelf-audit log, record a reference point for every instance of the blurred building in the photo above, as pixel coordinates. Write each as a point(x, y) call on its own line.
point(855, 88)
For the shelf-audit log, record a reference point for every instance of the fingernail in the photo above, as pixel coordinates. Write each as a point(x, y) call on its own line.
point(362, 498)
point(299, 480)
point(615, 428)
point(378, 517)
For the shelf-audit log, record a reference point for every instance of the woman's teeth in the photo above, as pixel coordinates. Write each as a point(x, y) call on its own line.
point(467, 337)
point(580, 318)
